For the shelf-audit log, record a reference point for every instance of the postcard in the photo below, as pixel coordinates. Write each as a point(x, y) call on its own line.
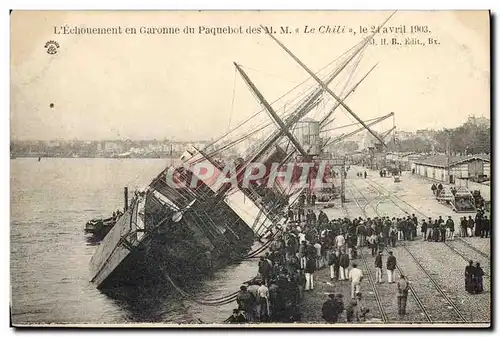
point(250, 169)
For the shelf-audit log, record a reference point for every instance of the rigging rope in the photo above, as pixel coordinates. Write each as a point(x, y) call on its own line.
point(232, 101)
point(258, 112)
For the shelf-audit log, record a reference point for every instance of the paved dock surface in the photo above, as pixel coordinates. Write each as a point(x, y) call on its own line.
point(435, 270)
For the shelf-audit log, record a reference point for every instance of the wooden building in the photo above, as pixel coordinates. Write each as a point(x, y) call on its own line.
point(460, 167)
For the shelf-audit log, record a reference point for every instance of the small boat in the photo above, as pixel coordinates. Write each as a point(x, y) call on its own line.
point(100, 227)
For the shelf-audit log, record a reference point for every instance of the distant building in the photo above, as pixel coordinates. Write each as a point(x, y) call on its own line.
point(112, 147)
point(403, 135)
point(466, 167)
point(425, 133)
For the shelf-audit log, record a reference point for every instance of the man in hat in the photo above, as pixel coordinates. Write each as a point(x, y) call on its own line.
point(403, 287)
point(332, 308)
point(236, 318)
point(378, 267)
point(391, 266)
point(355, 276)
point(450, 227)
point(468, 275)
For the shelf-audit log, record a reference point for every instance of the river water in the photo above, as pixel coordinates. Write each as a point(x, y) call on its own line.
point(51, 201)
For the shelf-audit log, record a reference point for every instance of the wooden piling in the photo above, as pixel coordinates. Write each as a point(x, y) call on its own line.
point(125, 196)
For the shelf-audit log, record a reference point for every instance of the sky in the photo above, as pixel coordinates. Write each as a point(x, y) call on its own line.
point(185, 87)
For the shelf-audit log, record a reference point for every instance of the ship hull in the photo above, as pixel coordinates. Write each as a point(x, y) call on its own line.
point(178, 250)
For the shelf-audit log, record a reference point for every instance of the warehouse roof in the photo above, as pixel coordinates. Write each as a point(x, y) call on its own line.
point(442, 160)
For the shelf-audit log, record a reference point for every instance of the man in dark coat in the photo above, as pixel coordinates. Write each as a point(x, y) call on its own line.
point(322, 218)
point(378, 267)
point(470, 226)
point(479, 224)
point(468, 275)
point(487, 227)
point(333, 262)
point(463, 227)
point(394, 235)
point(236, 318)
point(309, 271)
point(442, 232)
point(344, 264)
point(423, 230)
point(450, 225)
point(264, 270)
point(391, 266)
point(403, 287)
point(478, 279)
point(331, 309)
point(435, 231)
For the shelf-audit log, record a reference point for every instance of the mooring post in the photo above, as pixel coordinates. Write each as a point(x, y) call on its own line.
point(125, 196)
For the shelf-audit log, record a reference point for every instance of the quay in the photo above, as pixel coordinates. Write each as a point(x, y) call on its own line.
point(435, 270)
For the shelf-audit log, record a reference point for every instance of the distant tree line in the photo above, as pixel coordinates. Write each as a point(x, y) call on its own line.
point(468, 138)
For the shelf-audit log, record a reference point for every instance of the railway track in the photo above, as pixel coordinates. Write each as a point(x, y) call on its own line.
point(457, 314)
point(473, 302)
point(480, 252)
point(460, 253)
point(418, 301)
point(383, 314)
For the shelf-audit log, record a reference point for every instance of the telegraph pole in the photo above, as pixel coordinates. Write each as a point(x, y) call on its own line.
point(448, 159)
point(342, 183)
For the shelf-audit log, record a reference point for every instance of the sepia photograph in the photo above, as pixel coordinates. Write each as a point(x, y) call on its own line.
point(250, 169)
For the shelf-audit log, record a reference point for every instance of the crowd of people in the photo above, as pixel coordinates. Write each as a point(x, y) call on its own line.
point(300, 248)
point(306, 242)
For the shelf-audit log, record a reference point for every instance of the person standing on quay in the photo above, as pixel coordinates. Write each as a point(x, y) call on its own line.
point(310, 269)
point(355, 276)
point(450, 224)
point(344, 264)
point(469, 270)
point(442, 231)
point(391, 266)
point(423, 230)
point(333, 262)
point(378, 267)
point(470, 226)
point(463, 227)
point(403, 287)
point(332, 308)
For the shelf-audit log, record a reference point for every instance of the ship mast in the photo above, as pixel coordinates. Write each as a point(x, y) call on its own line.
point(324, 85)
point(310, 102)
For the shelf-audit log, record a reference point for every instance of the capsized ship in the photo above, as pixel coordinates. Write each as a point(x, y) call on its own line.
point(186, 230)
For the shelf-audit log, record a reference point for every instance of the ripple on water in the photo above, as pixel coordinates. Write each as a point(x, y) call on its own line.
point(51, 201)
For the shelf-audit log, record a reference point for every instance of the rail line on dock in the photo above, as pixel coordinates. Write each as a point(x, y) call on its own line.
point(391, 196)
point(474, 248)
point(447, 243)
point(412, 290)
point(383, 314)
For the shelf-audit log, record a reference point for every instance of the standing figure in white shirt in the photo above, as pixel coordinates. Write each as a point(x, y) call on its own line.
point(355, 276)
point(340, 242)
